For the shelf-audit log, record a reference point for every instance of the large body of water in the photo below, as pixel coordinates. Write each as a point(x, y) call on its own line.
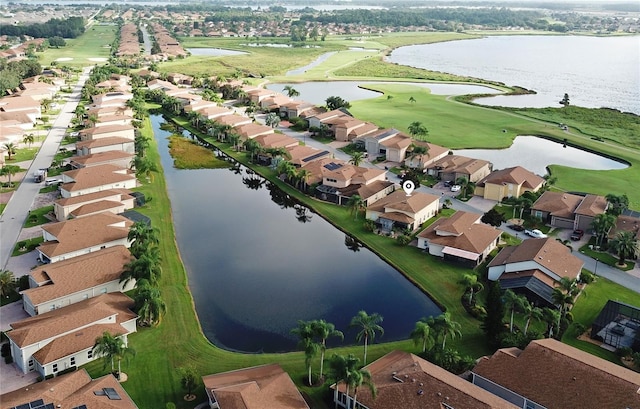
point(595, 71)
point(255, 268)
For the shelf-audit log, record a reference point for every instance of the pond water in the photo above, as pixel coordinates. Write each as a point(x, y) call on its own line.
point(257, 263)
point(214, 52)
point(318, 92)
point(535, 154)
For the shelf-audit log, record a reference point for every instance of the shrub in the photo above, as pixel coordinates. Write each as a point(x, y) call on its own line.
point(23, 282)
point(403, 240)
point(6, 350)
point(68, 370)
point(32, 246)
point(22, 244)
point(8, 359)
point(624, 352)
point(50, 376)
point(586, 277)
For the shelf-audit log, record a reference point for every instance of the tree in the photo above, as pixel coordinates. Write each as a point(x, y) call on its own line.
point(29, 139)
point(145, 166)
point(513, 302)
point(418, 151)
point(340, 366)
point(92, 119)
point(466, 186)
point(7, 283)
point(252, 146)
point(356, 158)
point(356, 379)
point(445, 327)
point(625, 245)
point(412, 99)
point(602, 225)
point(493, 324)
point(368, 326)
point(305, 333)
point(272, 120)
point(146, 266)
point(140, 144)
point(471, 284)
point(323, 330)
point(493, 217)
point(417, 130)
point(335, 102)
point(531, 312)
point(9, 171)
point(141, 236)
point(112, 348)
point(522, 203)
point(551, 317)
point(189, 379)
point(421, 334)
point(617, 204)
point(10, 147)
point(291, 92)
point(565, 100)
point(356, 205)
point(148, 303)
point(57, 42)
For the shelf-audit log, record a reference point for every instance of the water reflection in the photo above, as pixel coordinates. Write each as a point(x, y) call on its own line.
point(352, 243)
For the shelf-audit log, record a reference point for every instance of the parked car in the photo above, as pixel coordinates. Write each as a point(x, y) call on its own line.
point(447, 183)
point(455, 188)
point(577, 235)
point(50, 182)
point(535, 233)
point(515, 227)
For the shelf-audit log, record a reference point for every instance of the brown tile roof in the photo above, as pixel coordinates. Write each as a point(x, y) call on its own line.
point(106, 129)
point(459, 164)
point(548, 253)
point(99, 143)
point(77, 234)
point(558, 204)
point(462, 233)
point(433, 150)
point(94, 176)
point(71, 318)
point(76, 274)
point(399, 141)
point(69, 391)
point(458, 223)
point(516, 175)
point(592, 205)
point(100, 157)
point(18, 102)
point(253, 129)
point(559, 376)
point(366, 191)
point(331, 114)
point(233, 120)
point(276, 140)
point(300, 152)
point(365, 129)
point(124, 194)
point(96, 207)
point(259, 387)
point(406, 381)
point(626, 223)
point(399, 201)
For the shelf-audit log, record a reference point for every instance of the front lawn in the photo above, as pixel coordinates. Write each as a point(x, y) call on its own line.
point(25, 246)
point(37, 217)
point(605, 258)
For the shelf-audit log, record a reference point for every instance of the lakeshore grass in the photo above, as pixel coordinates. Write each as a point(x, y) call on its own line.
point(187, 154)
point(95, 42)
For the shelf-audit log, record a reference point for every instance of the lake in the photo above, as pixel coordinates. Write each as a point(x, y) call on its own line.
point(595, 71)
point(535, 154)
point(257, 263)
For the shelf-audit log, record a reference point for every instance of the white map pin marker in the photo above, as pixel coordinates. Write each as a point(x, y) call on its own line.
point(408, 187)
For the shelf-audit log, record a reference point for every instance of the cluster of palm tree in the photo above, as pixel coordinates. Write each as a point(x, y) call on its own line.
point(624, 244)
point(346, 369)
point(418, 130)
point(112, 348)
point(313, 337)
point(296, 177)
point(467, 187)
point(7, 283)
point(356, 205)
point(430, 330)
point(145, 270)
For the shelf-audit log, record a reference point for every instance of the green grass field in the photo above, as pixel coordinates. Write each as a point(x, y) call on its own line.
point(94, 43)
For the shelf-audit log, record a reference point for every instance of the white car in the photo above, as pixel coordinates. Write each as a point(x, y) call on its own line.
point(535, 233)
point(455, 188)
point(50, 182)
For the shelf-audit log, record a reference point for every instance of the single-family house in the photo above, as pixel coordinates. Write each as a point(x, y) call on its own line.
point(101, 99)
point(117, 158)
point(402, 212)
point(274, 102)
point(110, 111)
point(319, 119)
point(117, 120)
point(550, 374)
point(16, 103)
point(72, 390)
point(162, 85)
point(422, 161)
point(257, 95)
point(60, 339)
point(233, 120)
point(461, 238)
point(534, 268)
point(302, 155)
point(390, 143)
point(38, 90)
point(294, 109)
point(20, 119)
point(11, 134)
point(452, 167)
point(258, 387)
point(352, 128)
point(404, 380)
point(72, 238)
point(369, 193)
point(116, 201)
point(626, 223)
point(112, 143)
point(509, 182)
point(252, 130)
point(215, 112)
point(339, 174)
point(57, 285)
point(108, 131)
point(187, 98)
point(276, 140)
point(96, 178)
point(199, 105)
point(568, 211)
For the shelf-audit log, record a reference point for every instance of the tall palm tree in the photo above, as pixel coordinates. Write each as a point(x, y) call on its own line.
point(10, 147)
point(141, 236)
point(625, 245)
point(305, 333)
point(323, 330)
point(303, 176)
point(272, 120)
point(356, 158)
point(7, 283)
point(513, 302)
point(291, 92)
point(368, 326)
point(148, 303)
point(252, 146)
point(602, 225)
point(356, 205)
point(141, 143)
point(551, 317)
point(112, 348)
point(340, 366)
point(356, 379)
point(418, 152)
point(445, 327)
point(471, 283)
point(421, 334)
point(146, 266)
point(531, 312)
point(417, 130)
point(9, 171)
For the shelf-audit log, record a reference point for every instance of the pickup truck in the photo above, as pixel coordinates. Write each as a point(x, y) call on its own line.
point(535, 233)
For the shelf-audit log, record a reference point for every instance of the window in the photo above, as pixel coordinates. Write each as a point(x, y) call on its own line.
point(104, 290)
point(55, 367)
point(30, 363)
point(90, 353)
point(73, 361)
point(530, 405)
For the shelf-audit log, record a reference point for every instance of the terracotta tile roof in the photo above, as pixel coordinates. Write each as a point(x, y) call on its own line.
point(94, 196)
point(76, 274)
point(548, 253)
point(71, 390)
point(258, 387)
point(71, 318)
point(592, 205)
point(556, 375)
point(77, 234)
point(299, 153)
point(100, 157)
point(253, 129)
point(366, 191)
point(106, 129)
point(114, 118)
point(433, 151)
point(516, 175)
point(463, 233)
point(399, 141)
point(365, 129)
point(233, 120)
point(557, 204)
point(18, 102)
point(276, 140)
point(96, 207)
point(331, 114)
point(99, 143)
point(626, 223)
point(406, 381)
point(94, 176)
point(458, 223)
point(459, 164)
point(398, 201)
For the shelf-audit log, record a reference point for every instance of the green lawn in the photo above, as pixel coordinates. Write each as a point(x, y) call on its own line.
point(37, 217)
point(94, 43)
point(22, 155)
point(28, 243)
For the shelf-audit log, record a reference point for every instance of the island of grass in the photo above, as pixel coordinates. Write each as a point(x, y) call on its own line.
point(187, 154)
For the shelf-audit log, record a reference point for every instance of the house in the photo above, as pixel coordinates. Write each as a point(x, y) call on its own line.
point(461, 237)
point(21, 103)
point(161, 85)
point(233, 120)
point(112, 143)
point(534, 268)
point(550, 374)
point(276, 140)
point(452, 167)
point(63, 338)
point(96, 178)
point(568, 211)
point(56, 285)
point(64, 207)
point(214, 112)
point(102, 99)
point(369, 193)
point(72, 238)
point(252, 130)
point(258, 387)
point(402, 212)
point(257, 95)
point(199, 105)
point(404, 380)
point(317, 120)
point(352, 128)
point(302, 155)
point(294, 109)
point(274, 103)
point(509, 182)
point(390, 143)
point(338, 174)
point(108, 131)
point(73, 390)
point(626, 223)
point(110, 111)
point(19, 119)
point(110, 120)
point(434, 153)
point(116, 158)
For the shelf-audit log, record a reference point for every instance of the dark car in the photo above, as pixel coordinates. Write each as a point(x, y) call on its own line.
point(516, 227)
point(577, 235)
point(447, 183)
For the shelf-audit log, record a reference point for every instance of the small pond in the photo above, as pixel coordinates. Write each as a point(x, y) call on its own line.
point(214, 52)
point(257, 262)
point(535, 154)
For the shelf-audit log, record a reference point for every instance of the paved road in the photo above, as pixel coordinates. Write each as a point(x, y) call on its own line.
point(15, 213)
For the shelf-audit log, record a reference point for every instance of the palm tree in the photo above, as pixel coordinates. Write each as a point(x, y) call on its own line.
point(626, 245)
point(141, 236)
point(417, 130)
point(602, 225)
point(471, 283)
point(272, 120)
point(303, 176)
point(252, 146)
point(10, 147)
point(141, 143)
point(92, 119)
point(356, 379)
point(522, 203)
point(356, 158)
point(551, 317)
point(368, 325)
point(291, 92)
point(9, 171)
point(513, 302)
point(234, 138)
point(532, 313)
point(447, 328)
point(324, 330)
point(340, 367)
point(7, 283)
point(356, 205)
point(617, 204)
point(146, 266)
point(418, 151)
point(29, 139)
point(112, 347)
point(421, 334)
point(305, 331)
point(148, 303)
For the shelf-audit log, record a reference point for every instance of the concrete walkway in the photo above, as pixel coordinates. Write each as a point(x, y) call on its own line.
point(15, 213)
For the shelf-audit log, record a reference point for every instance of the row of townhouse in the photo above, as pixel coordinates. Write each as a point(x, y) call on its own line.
point(75, 295)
